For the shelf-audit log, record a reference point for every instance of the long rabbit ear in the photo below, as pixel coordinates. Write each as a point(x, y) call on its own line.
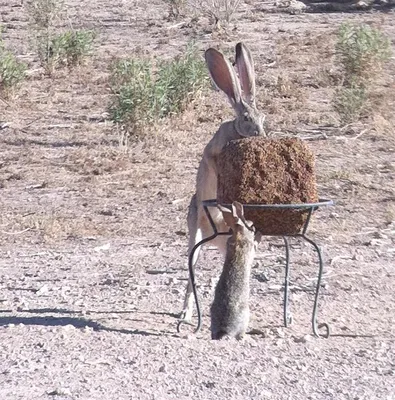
point(223, 75)
point(238, 213)
point(228, 216)
point(245, 67)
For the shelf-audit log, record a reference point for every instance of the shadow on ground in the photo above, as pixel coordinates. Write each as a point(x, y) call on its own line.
point(77, 322)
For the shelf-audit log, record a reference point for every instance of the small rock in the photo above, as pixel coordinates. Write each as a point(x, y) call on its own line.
point(42, 291)
point(358, 257)
point(302, 339)
point(162, 368)
point(279, 332)
point(379, 235)
point(69, 327)
point(189, 336)
point(261, 277)
point(274, 360)
point(171, 281)
point(104, 247)
point(256, 331)
point(60, 392)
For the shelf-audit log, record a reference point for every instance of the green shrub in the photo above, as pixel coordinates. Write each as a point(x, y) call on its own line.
point(70, 48)
point(43, 13)
point(350, 103)
point(147, 91)
point(133, 87)
point(65, 49)
point(55, 49)
point(220, 11)
point(12, 71)
point(176, 7)
point(361, 51)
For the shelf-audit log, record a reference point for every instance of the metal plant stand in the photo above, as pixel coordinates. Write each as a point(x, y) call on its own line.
point(309, 208)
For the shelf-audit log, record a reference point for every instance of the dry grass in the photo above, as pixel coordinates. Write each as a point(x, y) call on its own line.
point(303, 63)
point(341, 174)
point(362, 52)
point(390, 214)
point(95, 161)
point(382, 126)
point(283, 101)
point(219, 11)
point(307, 49)
point(145, 92)
point(49, 226)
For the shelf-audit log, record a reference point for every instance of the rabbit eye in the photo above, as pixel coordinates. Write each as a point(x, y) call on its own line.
point(246, 118)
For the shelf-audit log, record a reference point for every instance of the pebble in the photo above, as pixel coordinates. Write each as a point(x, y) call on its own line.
point(42, 291)
point(358, 257)
point(60, 392)
point(302, 339)
point(279, 332)
point(274, 360)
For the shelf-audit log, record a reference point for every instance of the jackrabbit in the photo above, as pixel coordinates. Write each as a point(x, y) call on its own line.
point(248, 122)
point(230, 311)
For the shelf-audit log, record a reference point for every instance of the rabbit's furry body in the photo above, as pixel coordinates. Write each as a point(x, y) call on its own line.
point(248, 122)
point(230, 312)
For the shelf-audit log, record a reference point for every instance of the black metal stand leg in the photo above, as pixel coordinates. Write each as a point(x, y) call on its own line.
point(193, 283)
point(315, 325)
point(287, 316)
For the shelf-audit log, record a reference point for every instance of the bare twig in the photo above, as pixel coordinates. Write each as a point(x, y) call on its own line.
point(179, 25)
point(321, 136)
point(30, 123)
point(176, 201)
point(360, 134)
point(42, 253)
point(64, 126)
point(16, 233)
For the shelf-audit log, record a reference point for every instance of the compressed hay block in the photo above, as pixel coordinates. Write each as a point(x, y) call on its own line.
point(268, 171)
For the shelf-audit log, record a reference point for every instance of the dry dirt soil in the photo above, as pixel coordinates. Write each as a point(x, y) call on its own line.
point(93, 232)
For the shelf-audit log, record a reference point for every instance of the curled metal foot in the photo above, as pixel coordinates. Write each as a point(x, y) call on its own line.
point(316, 328)
point(183, 321)
point(317, 292)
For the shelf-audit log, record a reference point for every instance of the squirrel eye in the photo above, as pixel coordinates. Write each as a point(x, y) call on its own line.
point(245, 117)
